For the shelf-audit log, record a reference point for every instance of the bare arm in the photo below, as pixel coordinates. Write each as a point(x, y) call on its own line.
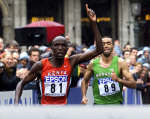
point(97, 36)
point(30, 77)
point(89, 55)
point(84, 84)
point(129, 82)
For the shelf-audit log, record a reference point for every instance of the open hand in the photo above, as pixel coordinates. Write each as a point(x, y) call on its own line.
point(90, 13)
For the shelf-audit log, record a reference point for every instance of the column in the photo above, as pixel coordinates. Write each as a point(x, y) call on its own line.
point(72, 20)
point(125, 21)
point(16, 13)
point(20, 13)
point(23, 8)
point(8, 31)
point(113, 18)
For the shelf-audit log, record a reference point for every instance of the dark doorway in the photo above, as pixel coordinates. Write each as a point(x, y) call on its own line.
point(103, 9)
point(45, 9)
point(144, 22)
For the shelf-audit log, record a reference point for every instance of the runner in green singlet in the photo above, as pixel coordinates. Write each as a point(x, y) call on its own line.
point(108, 71)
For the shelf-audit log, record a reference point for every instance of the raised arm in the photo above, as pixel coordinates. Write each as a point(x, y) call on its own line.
point(129, 82)
point(30, 77)
point(84, 84)
point(97, 36)
point(91, 54)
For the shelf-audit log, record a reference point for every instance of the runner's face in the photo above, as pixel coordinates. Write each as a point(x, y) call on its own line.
point(59, 47)
point(107, 46)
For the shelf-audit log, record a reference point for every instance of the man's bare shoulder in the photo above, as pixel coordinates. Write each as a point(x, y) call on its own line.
point(122, 63)
point(90, 65)
point(36, 67)
point(121, 59)
point(39, 63)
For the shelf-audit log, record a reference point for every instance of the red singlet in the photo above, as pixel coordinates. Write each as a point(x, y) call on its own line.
point(55, 82)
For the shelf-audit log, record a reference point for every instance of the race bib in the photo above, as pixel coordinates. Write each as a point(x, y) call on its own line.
point(107, 86)
point(55, 85)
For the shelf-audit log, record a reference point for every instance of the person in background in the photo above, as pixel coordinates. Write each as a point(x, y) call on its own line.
point(145, 57)
point(15, 56)
point(134, 51)
point(132, 59)
point(134, 96)
point(1, 45)
point(22, 66)
point(127, 47)
point(8, 78)
point(146, 91)
point(126, 54)
point(23, 61)
point(12, 47)
point(117, 48)
point(34, 56)
point(146, 66)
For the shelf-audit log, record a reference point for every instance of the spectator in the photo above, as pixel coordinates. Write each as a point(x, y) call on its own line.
point(22, 67)
point(23, 61)
point(132, 62)
point(134, 96)
point(134, 51)
point(34, 56)
point(15, 56)
point(1, 45)
point(82, 69)
point(117, 48)
point(12, 46)
point(127, 47)
point(126, 54)
point(146, 91)
point(145, 57)
point(8, 78)
point(146, 67)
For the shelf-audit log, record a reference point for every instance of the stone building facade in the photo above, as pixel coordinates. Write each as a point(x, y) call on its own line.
point(14, 15)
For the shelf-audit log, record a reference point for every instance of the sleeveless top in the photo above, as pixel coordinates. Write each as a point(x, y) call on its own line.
point(55, 82)
point(106, 90)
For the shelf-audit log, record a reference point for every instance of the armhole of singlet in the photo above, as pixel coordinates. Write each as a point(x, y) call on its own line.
point(43, 61)
point(67, 60)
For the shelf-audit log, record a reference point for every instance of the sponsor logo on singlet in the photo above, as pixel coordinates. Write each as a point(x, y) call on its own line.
point(107, 86)
point(55, 85)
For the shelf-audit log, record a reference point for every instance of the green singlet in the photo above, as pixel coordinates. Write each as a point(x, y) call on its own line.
point(105, 90)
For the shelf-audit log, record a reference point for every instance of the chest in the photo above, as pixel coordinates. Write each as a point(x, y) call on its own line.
point(49, 70)
point(100, 71)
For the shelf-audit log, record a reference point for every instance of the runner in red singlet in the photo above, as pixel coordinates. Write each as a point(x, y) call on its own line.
point(56, 70)
point(55, 82)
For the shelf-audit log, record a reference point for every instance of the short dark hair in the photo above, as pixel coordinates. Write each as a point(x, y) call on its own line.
point(134, 48)
point(108, 37)
point(32, 49)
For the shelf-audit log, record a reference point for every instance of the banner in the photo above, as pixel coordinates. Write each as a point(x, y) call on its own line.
point(28, 97)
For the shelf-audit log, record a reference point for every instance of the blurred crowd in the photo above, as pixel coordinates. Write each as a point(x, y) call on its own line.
point(15, 64)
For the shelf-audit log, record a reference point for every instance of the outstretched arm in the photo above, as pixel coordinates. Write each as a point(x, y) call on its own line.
point(30, 77)
point(99, 48)
point(129, 82)
point(84, 84)
point(97, 36)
